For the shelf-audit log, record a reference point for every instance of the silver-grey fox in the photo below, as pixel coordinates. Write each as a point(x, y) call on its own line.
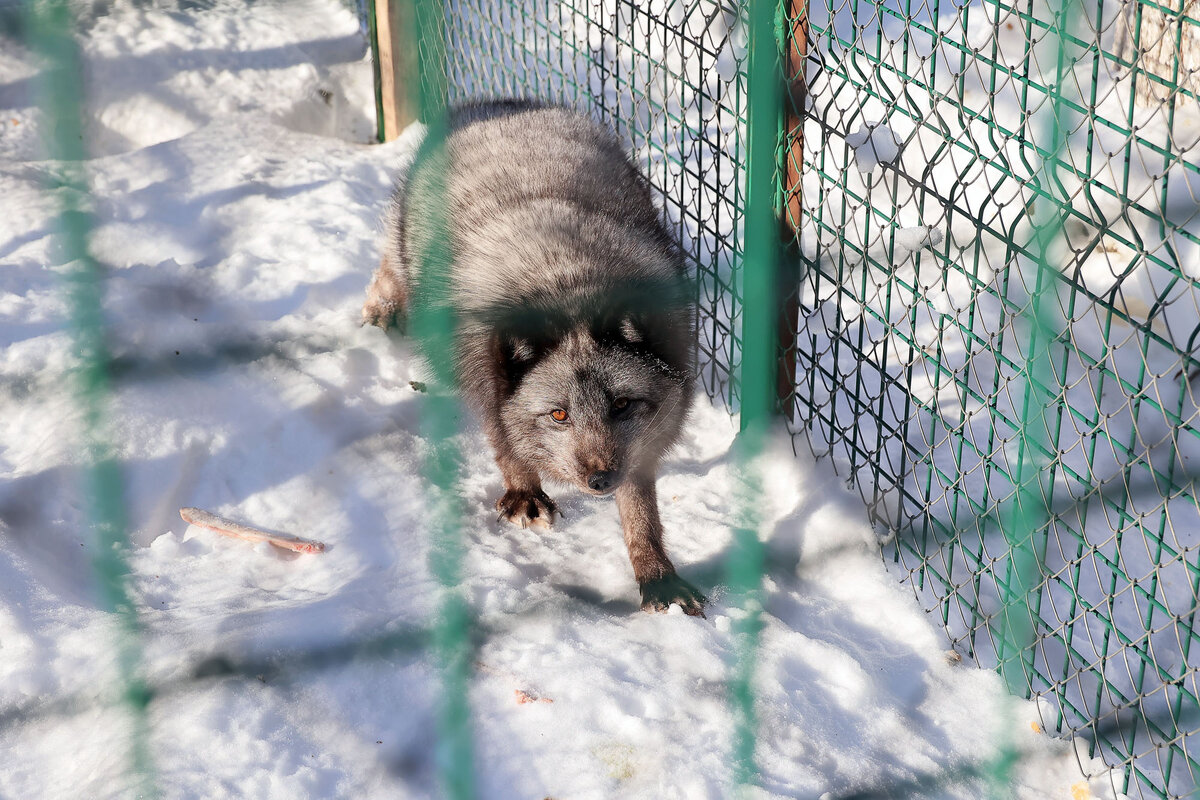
point(574, 310)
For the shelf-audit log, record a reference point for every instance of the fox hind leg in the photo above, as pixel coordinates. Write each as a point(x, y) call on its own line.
point(387, 298)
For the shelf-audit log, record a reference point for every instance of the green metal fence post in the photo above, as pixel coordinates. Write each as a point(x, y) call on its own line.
point(1029, 516)
point(50, 27)
point(433, 322)
point(760, 309)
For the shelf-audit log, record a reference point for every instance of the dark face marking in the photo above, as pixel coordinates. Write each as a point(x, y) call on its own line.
point(589, 413)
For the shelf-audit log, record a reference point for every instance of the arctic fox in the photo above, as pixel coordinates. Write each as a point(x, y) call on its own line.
point(575, 315)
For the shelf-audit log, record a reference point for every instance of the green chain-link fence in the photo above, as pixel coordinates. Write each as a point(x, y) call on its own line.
point(996, 251)
point(671, 79)
point(1025, 151)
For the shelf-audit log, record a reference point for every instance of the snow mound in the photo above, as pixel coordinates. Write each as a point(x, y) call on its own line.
point(151, 75)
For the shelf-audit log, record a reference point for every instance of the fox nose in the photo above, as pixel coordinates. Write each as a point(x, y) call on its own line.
point(600, 481)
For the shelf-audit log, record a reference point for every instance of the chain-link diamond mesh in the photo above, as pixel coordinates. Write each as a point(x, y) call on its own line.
point(925, 132)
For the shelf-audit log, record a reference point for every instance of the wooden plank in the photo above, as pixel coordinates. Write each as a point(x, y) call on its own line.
point(791, 169)
point(797, 52)
point(396, 66)
point(1168, 47)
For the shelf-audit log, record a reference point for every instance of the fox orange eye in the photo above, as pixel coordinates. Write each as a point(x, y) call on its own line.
point(558, 415)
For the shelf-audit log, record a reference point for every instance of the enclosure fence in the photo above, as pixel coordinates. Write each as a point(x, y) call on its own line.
point(989, 300)
point(987, 313)
point(1027, 154)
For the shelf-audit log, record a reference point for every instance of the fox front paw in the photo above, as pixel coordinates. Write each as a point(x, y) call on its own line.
point(527, 508)
point(658, 595)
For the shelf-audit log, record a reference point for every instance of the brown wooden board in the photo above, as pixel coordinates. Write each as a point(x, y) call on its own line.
point(396, 66)
point(796, 50)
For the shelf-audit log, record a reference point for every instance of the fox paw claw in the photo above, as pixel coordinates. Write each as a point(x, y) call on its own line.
point(527, 508)
point(658, 595)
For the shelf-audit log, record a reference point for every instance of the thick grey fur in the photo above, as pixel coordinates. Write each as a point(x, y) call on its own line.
point(570, 294)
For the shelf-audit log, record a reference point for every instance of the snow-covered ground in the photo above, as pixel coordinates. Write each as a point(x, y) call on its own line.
point(235, 206)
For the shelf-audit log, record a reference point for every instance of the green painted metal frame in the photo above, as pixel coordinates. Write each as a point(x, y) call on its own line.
point(432, 323)
point(992, 544)
point(50, 26)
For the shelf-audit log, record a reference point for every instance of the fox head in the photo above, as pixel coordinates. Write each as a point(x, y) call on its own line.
point(592, 407)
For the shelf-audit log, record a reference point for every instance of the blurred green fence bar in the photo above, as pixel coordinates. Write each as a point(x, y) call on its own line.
point(50, 26)
point(760, 315)
point(433, 323)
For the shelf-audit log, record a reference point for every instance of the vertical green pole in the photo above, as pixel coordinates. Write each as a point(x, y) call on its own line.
point(1030, 511)
point(433, 322)
point(760, 227)
point(760, 242)
point(1029, 515)
point(50, 33)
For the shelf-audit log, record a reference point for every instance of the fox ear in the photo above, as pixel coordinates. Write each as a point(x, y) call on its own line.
point(512, 357)
point(631, 330)
point(519, 349)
